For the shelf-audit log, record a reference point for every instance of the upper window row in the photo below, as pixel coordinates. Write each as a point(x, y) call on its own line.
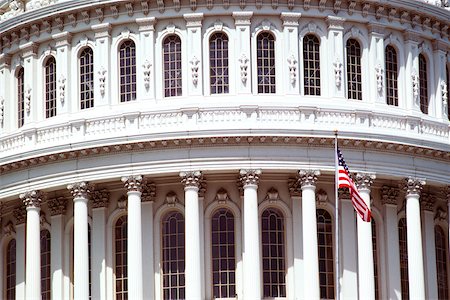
point(219, 71)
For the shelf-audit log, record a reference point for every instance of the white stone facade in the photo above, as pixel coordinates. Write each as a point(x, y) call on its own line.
point(80, 170)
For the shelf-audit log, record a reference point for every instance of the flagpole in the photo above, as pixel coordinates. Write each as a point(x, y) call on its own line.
point(336, 226)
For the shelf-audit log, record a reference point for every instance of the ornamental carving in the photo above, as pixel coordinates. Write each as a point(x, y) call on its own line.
point(413, 186)
point(321, 198)
point(43, 220)
point(389, 195)
point(243, 65)
point(32, 198)
point(132, 183)
point(102, 80)
point(194, 69)
point(148, 192)
point(146, 66)
point(249, 177)
point(379, 75)
point(62, 88)
point(2, 110)
point(441, 215)
point(28, 99)
point(100, 198)
point(122, 202)
point(15, 8)
point(20, 214)
point(272, 195)
point(9, 229)
point(222, 196)
point(57, 206)
point(344, 194)
point(444, 94)
point(308, 177)
point(363, 181)
point(294, 187)
point(171, 199)
point(427, 201)
point(415, 86)
point(292, 64)
point(337, 72)
point(191, 178)
point(80, 189)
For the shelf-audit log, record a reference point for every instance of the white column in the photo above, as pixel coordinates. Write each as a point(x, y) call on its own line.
point(243, 54)
point(32, 201)
point(100, 200)
point(392, 250)
point(291, 59)
point(294, 191)
point(252, 246)
point(413, 187)
point(146, 61)
point(57, 208)
point(427, 202)
point(336, 56)
point(134, 243)
point(310, 251)
point(80, 192)
point(191, 181)
point(102, 59)
point(63, 60)
point(20, 216)
point(349, 264)
point(194, 54)
point(148, 198)
point(365, 248)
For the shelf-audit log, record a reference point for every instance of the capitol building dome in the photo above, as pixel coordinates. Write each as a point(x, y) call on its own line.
point(176, 149)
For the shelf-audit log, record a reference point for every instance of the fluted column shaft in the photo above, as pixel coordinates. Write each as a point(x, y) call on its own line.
point(311, 258)
point(252, 251)
point(414, 237)
point(134, 241)
point(80, 240)
point(32, 201)
point(365, 246)
point(193, 272)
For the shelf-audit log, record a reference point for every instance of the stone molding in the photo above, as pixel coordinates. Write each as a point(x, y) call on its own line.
point(191, 179)
point(20, 214)
point(242, 17)
point(32, 199)
point(222, 196)
point(171, 199)
point(100, 198)
point(389, 195)
point(80, 189)
point(308, 177)
point(272, 195)
point(249, 177)
point(364, 181)
point(57, 206)
point(413, 186)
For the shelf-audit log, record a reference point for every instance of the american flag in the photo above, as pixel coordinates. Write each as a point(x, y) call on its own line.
point(344, 181)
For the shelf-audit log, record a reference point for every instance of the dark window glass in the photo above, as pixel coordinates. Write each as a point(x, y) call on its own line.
point(11, 270)
point(20, 98)
point(326, 254)
point(120, 258)
point(423, 84)
point(311, 65)
point(86, 78)
point(354, 79)
point(402, 238)
point(172, 66)
point(375, 258)
point(50, 87)
point(391, 76)
point(127, 66)
point(45, 265)
point(265, 55)
point(218, 63)
point(441, 263)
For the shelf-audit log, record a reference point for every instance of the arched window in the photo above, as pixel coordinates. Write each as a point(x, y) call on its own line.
point(391, 76)
point(223, 254)
point(326, 254)
point(172, 66)
point(50, 87)
point(354, 80)
point(311, 64)
point(218, 63)
point(127, 63)
point(10, 290)
point(173, 262)
point(20, 97)
point(375, 258)
point(45, 265)
point(120, 258)
point(273, 253)
point(423, 84)
point(441, 263)
point(402, 239)
point(265, 55)
point(86, 78)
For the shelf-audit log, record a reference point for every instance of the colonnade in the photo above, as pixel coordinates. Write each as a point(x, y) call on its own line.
point(192, 181)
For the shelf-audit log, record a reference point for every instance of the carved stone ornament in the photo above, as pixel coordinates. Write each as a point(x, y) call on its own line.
point(32, 198)
point(146, 66)
point(132, 183)
point(148, 192)
point(415, 86)
point(364, 181)
point(102, 80)
point(243, 65)
point(337, 72)
point(62, 88)
point(444, 94)
point(16, 7)
point(20, 214)
point(222, 196)
point(294, 187)
point(321, 198)
point(28, 99)
point(379, 75)
point(308, 177)
point(191, 178)
point(344, 194)
point(2, 110)
point(57, 206)
point(389, 195)
point(43, 220)
point(249, 177)
point(272, 195)
point(100, 198)
point(427, 201)
point(9, 229)
point(194, 69)
point(122, 202)
point(292, 64)
point(171, 199)
point(413, 186)
point(80, 189)
point(441, 215)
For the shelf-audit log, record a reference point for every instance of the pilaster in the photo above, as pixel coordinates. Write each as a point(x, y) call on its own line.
point(291, 73)
point(5, 106)
point(102, 65)
point(377, 64)
point(146, 58)
point(63, 42)
point(336, 56)
point(194, 53)
point(242, 21)
point(19, 214)
point(29, 53)
point(148, 198)
point(428, 202)
point(441, 89)
point(412, 89)
point(297, 230)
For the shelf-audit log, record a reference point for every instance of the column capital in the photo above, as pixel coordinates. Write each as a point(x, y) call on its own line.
point(193, 19)
point(290, 18)
point(62, 39)
point(364, 181)
point(146, 24)
point(242, 17)
point(389, 195)
point(132, 183)
point(32, 199)
point(80, 189)
point(413, 186)
point(57, 206)
point(336, 23)
point(427, 201)
point(102, 30)
point(20, 214)
point(148, 192)
point(100, 198)
point(249, 177)
point(191, 178)
point(29, 49)
point(308, 178)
